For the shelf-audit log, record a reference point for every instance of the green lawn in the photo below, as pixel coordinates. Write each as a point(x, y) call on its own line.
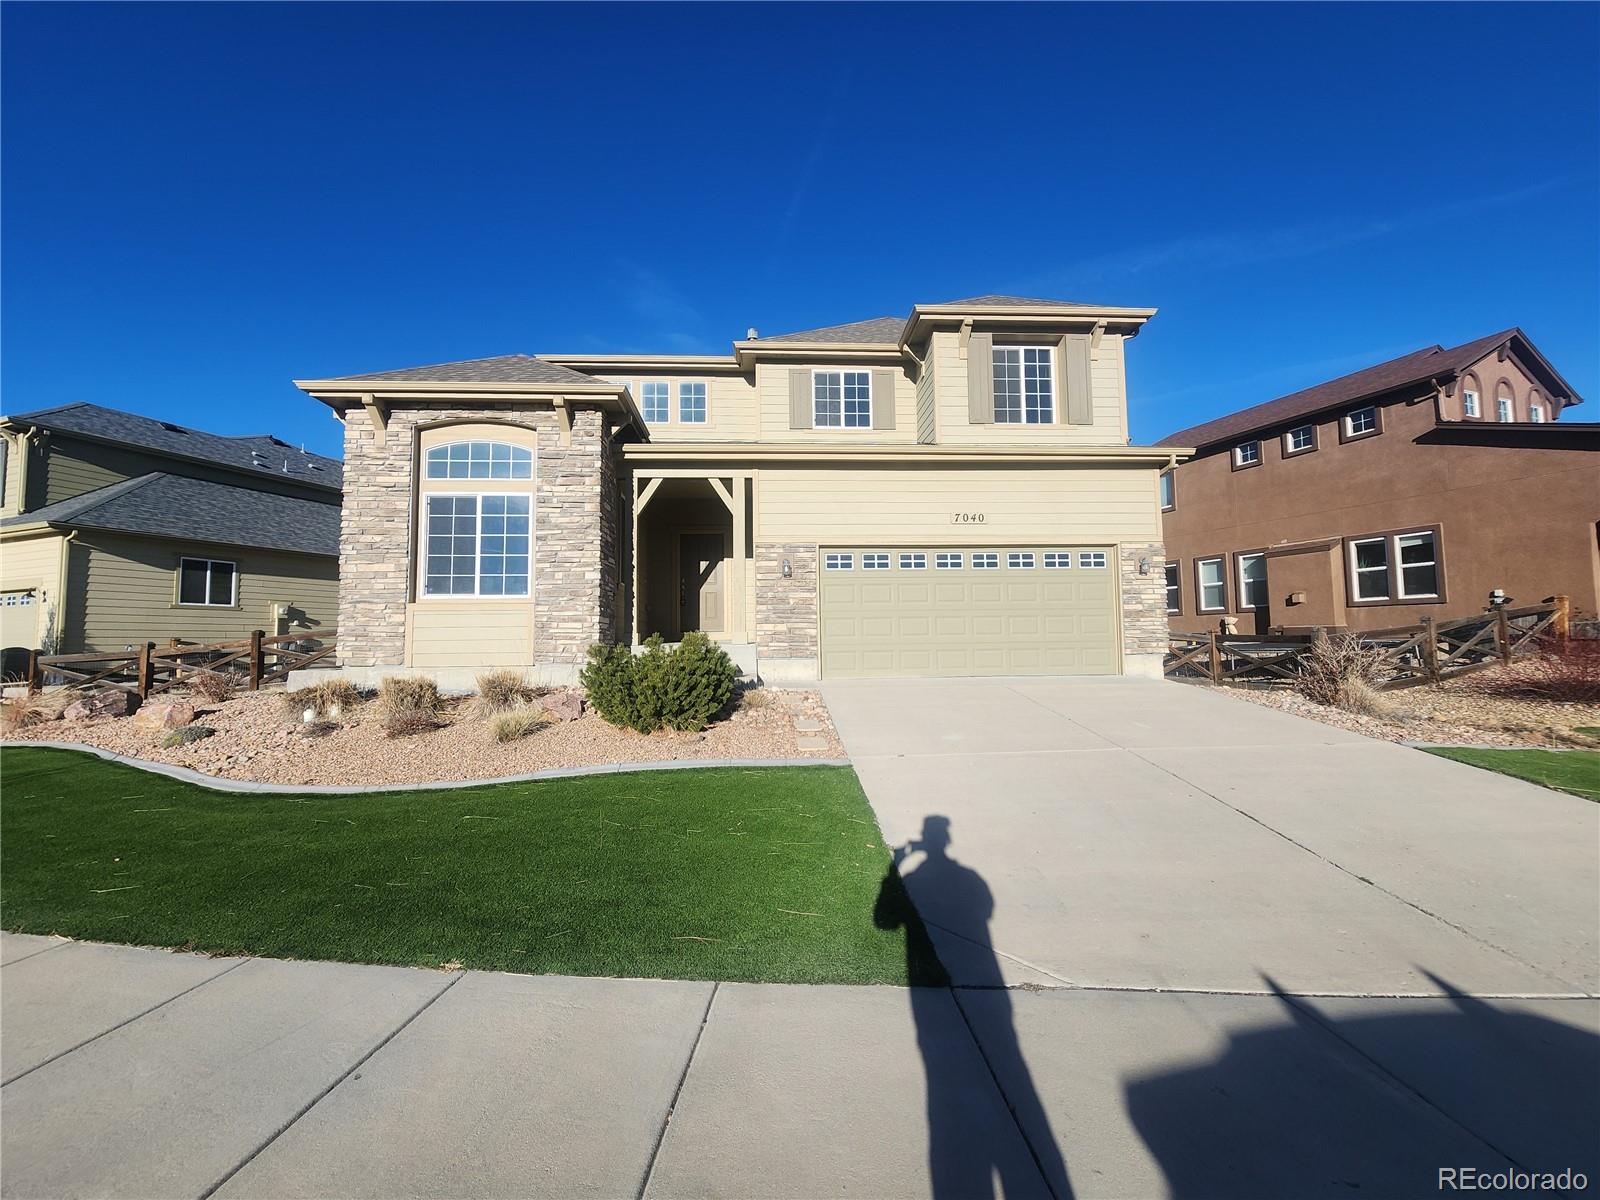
point(728, 873)
point(1575, 771)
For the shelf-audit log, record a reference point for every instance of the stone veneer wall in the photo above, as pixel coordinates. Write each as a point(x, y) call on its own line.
point(786, 609)
point(1144, 599)
point(574, 551)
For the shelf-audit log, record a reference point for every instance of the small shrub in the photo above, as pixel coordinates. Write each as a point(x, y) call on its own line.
point(21, 712)
point(1564, 671)
point(323, 699)
point(752, 698)
point(408, 705)
point(1340, 672)
point(185, 735)
point(681, 688)
point(517, 721)
point(215, 686)
point(499, 690)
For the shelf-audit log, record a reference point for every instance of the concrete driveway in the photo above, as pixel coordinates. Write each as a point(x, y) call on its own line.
point(1230, 954)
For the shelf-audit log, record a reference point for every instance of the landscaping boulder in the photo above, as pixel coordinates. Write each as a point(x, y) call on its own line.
point(166, 714)
point(564, 705)
point(107, 703)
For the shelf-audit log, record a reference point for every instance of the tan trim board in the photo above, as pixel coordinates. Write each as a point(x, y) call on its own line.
point(648, 452)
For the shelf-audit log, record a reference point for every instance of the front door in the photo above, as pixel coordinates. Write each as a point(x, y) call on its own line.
point(700, 589)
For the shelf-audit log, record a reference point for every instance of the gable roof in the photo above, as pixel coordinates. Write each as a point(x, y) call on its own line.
point(255, 454)
point(1418, 367)
point(874, 331)
point(504, 368)
point(197, 510)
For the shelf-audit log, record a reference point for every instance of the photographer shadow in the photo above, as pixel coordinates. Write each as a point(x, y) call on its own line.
point(964, 1161)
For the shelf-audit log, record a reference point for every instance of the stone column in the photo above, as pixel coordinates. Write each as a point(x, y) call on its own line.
point(1144, 609)
point(786, 612)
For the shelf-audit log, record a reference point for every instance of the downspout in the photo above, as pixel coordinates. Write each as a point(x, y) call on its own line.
point(61, 590)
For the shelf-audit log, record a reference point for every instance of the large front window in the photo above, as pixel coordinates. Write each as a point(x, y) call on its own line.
point(1024, 385)
point(841, 399)
point(477, 546)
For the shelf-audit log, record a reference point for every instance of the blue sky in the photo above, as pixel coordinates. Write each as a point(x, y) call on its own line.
point(202, 202)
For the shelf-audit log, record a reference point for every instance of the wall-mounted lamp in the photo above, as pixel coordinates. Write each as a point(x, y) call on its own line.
point(1144, 566)
point(788, 569)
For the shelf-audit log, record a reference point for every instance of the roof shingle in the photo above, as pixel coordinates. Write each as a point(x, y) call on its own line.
point(876, 330)
point(197, 510)
point(504, 368)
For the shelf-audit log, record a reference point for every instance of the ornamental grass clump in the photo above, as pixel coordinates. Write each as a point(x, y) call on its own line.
point(1340, 672)
point(408, 704)
point(500, 690)
point(679, 688)
point(330, 700)
point(517, 721)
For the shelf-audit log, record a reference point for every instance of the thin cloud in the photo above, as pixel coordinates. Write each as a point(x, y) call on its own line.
point(667, 315)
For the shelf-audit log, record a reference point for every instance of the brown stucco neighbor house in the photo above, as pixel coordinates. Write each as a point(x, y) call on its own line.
point(947, 493)
point(1412, 488)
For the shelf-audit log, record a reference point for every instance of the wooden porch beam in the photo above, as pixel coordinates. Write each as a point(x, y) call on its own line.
point(721, 491)
point(650, 488)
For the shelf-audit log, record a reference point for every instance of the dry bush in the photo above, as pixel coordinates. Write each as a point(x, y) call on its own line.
point(752, 698)
point(215, 686)
point(1566, 671)
point(21, 712)
point(1340, 672)
point(499, 690)
point(323, 699)
point(408, 705)
point(517, 721)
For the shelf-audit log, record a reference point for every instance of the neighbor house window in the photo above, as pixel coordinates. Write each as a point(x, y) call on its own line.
point(1020, 560)
point(476, 545)
point(874, 562)
point(1300, 439)
point(913, 562)
point(1369, 567)
point(1168, 491)
point(1536, 413)
point(839, 562)
point(692, 403)
point(479, 460)
point(1247, 454)
point(1090, 559)
point(1174, 598)
point(1024, 385)
point(1213, 587)
point(212, 582)
point(1419, 565)
point(985, 560)
point(1252, 581)
point(947, 562)
point(841, 399)
point(657, 402)
point(1469, 402)
point(1057, 560)
point(1503, 409)
point(1361, 422)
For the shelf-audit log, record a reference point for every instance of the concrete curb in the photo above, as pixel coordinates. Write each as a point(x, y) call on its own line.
point(216, 783)
point(1486, 746)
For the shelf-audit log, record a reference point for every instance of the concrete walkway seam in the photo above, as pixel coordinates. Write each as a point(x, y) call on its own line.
point(217, 783)
point(36, 953)
point(672, 1104)
point(136, 1016)
point(320, 1096)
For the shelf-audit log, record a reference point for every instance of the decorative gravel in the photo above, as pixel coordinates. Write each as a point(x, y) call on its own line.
point(1471, 710)
point(255, 741)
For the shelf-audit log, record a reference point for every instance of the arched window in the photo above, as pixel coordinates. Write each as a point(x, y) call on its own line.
point(479, 460)
point(1471, 391)
point(1505, 404)
point(1536, 408)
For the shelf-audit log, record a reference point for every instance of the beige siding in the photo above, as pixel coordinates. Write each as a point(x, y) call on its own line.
point(730, 408)
point(1110, 425)
point(772, 382)
point(11, 498)
point(470, 633)
point(917, 505)
point(927, 427)
point(124, 591)
point(34, 563)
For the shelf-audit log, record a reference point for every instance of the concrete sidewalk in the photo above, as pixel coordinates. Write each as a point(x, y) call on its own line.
point(178, 1076)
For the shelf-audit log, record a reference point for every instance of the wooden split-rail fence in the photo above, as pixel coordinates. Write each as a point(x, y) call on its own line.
point(1410, 655)
point(149, 670)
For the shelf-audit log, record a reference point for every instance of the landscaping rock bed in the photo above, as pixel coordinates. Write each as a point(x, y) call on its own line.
point(256, 739)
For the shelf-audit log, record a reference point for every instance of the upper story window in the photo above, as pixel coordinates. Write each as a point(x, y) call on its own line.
point(1361, 422)
point(1469, 402)
point(1024, 385)
point(1168, 491)
point(1300, 439)
point(1536, 413)
point(1246, 454)
point(479, 460)
point(657, 399)
point(841, 399)
point(1504, 404)
point(692, 403)
point(211, 582)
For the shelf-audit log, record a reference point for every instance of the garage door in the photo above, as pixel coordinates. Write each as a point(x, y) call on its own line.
point(1006, 610)
point(19, 619)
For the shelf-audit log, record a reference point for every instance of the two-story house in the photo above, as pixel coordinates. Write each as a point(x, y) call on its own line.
point(1416, 487)
point(948, 493)
point(118, 529)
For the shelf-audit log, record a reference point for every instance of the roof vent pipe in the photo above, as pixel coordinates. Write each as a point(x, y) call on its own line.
point(751, 334)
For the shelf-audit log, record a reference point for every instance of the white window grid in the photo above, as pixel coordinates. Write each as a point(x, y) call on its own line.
point(1024, 385)
point(1502, 408)
point(1252, 581)
point(692, 403)
point(1536, 413)
point(948, 561)
point(839, 562)
point(476, 544)
point(985, 560)
point(479, 460)
point(1057, 560)
point(1469, 402)
point(656, 395)
point(1247, 453)
point(913, 562)
point(1090, 559)
point(1020, 560)
point(841, 399)
point(874, 562)
point(1213, 585)
point(1367, 570)
point(1414, 553)
point(15, 599)
point(1302, 438)
point(1362, 420)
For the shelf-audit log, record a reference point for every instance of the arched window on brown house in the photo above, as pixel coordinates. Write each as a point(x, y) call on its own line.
point(1505, 402)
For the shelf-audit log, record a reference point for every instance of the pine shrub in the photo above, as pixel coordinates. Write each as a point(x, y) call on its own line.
point(680, 688)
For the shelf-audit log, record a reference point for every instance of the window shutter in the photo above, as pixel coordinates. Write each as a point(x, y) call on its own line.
point(883, 399)
point(800, 398)
point(1077, 402)
point(980, 378)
